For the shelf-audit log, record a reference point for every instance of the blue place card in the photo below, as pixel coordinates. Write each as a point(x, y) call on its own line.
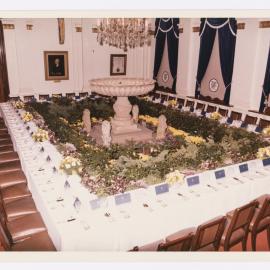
point(220, 174)
point(229, 120)
point(95, 204)
point(160, 189)
point(192, 181)
point(266, 162)
point(122, 198)
point(243, 168)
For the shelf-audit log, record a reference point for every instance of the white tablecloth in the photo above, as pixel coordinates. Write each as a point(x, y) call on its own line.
point(149, 217)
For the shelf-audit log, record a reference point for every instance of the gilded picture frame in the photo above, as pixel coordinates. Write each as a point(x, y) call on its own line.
point(56, 65)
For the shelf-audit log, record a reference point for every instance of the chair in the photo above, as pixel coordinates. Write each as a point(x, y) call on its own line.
point(264, 123)
point(14, 192)
point(200, 106)
point(237, 228)
point(8, 157)
point(211, 108)
point(261, 221)
point(181, 101)
point(8, 179)
point(190, 103)
point(10, 166)
point(181, 241)
point(250, 120)
point(6, 149)
point(37, 242)
point(223, 112)
point(25, 226)
point(18, 208)
point(149, 247)
point(236, 115)
point(208, 235)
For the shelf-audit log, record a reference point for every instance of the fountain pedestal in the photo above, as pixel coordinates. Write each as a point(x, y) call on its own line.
point(123, 127)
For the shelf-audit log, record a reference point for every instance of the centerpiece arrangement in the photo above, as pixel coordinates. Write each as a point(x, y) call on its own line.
point(191, 144)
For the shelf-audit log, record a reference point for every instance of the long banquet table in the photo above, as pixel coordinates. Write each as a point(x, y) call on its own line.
point(147, 217)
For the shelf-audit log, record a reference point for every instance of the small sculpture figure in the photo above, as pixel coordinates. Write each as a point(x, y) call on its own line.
point(135, 113)
point(162, 127)
point(86, 120)
point(106, 133)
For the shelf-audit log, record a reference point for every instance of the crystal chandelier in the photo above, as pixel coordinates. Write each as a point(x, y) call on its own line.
point(124, 33)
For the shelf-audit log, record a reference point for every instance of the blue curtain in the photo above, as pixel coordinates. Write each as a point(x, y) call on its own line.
point(206, 47)
point(226, 51)
point(266, 84)
point(167, 28)
point(226, 41)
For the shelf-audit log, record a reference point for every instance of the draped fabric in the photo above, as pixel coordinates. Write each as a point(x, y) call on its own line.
point(167, 29)
point(4, 86)
point(266, 85)
point(227, 38)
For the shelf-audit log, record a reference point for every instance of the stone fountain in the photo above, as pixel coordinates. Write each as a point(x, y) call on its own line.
point(123, 127)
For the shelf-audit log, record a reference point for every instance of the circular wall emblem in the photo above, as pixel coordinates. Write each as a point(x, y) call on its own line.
point(165, 76)
point(213, 85)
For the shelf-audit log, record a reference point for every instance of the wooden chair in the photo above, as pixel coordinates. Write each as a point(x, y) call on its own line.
point(149, 247)
point(236, 115)
point(37, 242)
point(261, 221)
point(200, 106)
point(8, 179)
point(250, 120)
point(180, 241)
point(264, 123)
point(190, 103)
point(223, 112)
point(208, 235)
point(237, 228)
point(181, 101)
point(211, 108)
point(18, 208)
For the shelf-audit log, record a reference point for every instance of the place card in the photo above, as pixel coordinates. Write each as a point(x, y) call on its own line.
point(160, 189)
point(243, 168)
point(266, 162)
point(77, 203)
point(122, 198)
point(66, 185)
point(192, 181)
point(95, 204)
point(220, 174)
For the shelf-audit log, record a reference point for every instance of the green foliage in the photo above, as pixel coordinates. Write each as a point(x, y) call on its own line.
point(119, 167)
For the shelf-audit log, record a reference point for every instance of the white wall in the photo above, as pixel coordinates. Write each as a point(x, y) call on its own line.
point(87, 59)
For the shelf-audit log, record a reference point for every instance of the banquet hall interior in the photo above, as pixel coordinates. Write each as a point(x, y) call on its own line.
point(135, 134)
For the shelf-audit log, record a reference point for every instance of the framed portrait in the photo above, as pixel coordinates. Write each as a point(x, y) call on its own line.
point(56, 65)
point(118, 64)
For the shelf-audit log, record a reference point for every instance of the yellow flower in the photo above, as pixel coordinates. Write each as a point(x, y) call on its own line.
point(194, 139)
point(40, 135)
point(266, 131)
point(144, 157)
point(215, 116)
point(63, 120)
point(174, 177)
point(263, 152)
point(27, 117)
point(177, 132)
point(172, 103)
point(71, 165)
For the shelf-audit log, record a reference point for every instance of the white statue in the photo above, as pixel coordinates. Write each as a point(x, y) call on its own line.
point(135, 113)
point(86, 120)
point(106, 133)
point(162, 127)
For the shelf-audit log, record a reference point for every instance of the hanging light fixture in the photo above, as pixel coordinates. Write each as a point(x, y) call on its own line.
point(124, 33)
